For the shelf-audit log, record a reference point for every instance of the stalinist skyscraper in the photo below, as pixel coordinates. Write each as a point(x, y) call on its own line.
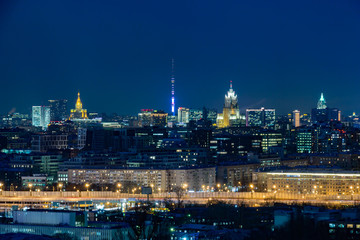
point(231, 112)
point(78, 112)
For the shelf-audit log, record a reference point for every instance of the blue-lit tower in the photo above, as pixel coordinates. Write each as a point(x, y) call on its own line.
point(172, 88)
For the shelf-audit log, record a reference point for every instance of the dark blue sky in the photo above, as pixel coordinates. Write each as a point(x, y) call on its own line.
point(279, 54)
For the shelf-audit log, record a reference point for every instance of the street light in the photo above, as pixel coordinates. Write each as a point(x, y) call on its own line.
point(60, 185)
point(252, 190)
point(1, 185)
point(30, 186)
point(87, 185)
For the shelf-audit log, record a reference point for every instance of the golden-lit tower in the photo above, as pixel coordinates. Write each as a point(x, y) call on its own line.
point(78, 112)
point(231, 113)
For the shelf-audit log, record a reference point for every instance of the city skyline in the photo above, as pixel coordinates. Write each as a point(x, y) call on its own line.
point(113, 52)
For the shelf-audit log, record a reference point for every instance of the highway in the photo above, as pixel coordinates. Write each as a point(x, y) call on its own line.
point(24, 198)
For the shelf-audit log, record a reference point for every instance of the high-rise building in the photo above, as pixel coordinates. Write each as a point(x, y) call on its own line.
point(195, 114)
point(296, 118)
point(260, 117)
point(150, 117)
point(231, 112)
point(159, 118)
point(304, 141)
point(144, 117)
point(321, 103)
point(41, 116)
point(183, 115)
point(58, 109)
point(324, 114)
point(78, 112)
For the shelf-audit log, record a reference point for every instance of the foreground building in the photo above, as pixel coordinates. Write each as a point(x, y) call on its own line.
point(72, 223)
point(309, 181)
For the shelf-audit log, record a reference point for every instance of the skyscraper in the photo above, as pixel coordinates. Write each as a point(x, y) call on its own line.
point(231, 112)
point(183, 115)
point(58, 110)
point(78, 112)
point(41, 116)
point(296, 118)
point(324, 114)
point(321, 103)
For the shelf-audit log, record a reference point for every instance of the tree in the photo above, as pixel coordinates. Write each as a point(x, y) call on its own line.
point(180, 192)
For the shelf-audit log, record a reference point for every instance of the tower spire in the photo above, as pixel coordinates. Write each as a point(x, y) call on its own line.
point(172, 87)
point(230, 84)
point(321, 103)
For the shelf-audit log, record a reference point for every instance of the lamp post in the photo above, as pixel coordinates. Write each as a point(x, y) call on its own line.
point(87, 185)
point(119, 187)
point(30, 186)
point(274, 187)
point(252, 190)
point(1, 186)
point(60, 185)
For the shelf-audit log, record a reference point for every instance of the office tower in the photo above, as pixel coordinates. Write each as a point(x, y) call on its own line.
point(321, 103)
point(144, 117)
point(211, 115)
point(172, 88)
point(40, 116)
point(158, 118)
point(195, 114)
point(296, 118)
point(324, 114)
point(183, 115)
point(78, 112)
point(231, 112)
point(58, 110)
point(304, 140)
point(260, 117)
point(150, 117)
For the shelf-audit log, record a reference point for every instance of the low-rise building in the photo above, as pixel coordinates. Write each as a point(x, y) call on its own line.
point(160, 179)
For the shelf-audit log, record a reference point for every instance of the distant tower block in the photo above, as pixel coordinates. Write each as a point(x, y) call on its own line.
point(78, 112)
point(296, 118)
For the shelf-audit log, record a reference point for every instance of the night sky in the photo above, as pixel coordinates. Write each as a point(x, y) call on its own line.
point(279, 54)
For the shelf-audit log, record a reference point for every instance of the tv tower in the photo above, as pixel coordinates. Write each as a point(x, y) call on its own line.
point(172, 88)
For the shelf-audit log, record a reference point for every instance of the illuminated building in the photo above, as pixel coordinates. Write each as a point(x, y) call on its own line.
point(195, 114)
point(41, 116)
point(260, 117)
point(150, 117)
point(159, 118)
point(296, 118)
point(270, 139)
point(324, 114)
point(58, 109)
point(321, 103)
point(183, 115)
point(231, 112)
point(78, 112)
point(309, 181)
point(144, 117)
point(304, 140)
point(163, 179)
